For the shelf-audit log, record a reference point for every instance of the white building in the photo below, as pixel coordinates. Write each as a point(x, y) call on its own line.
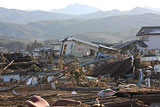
point(150, 36)
point(3, 50)
point(52, 48)
point(78, 48)
point(56, 48)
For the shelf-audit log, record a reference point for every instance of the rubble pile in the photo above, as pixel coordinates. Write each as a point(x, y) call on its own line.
point(17, 57)
point(110, 81)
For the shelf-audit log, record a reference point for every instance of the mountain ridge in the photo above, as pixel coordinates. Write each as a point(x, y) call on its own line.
point(105, 29)
point(116, 12)
point(76, 9)
point(21, 16)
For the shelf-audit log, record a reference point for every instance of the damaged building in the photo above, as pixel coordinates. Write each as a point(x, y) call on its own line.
point(78, 48)
point(49, 51)
point(150, 35)
point(132, 47)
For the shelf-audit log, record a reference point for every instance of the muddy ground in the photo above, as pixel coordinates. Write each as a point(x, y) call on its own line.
point(9, 99)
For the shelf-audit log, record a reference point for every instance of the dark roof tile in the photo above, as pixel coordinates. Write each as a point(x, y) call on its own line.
point(149, 30)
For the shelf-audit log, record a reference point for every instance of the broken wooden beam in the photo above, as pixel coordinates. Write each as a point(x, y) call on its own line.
point(8, 65)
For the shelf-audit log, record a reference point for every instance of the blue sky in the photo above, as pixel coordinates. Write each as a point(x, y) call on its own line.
point(57, 4)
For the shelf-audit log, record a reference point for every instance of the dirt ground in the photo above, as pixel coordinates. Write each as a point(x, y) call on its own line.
point(11, 100)
point(24, 93)
point(8, 99)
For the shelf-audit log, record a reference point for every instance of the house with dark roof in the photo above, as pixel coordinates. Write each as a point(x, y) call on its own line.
point(132, 47)
point(150, 35)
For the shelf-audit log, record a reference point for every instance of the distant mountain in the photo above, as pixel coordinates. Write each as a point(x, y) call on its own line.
point(19, 16)
point(21, 31)
point(140, 10)
point(102, 14)
point(110, 29)
point(114, 25)
point(76, 9)
point(154, 9)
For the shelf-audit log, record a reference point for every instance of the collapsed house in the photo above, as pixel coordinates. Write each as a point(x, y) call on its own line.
point(79, 48)
point(47, 51)
point(108, 50)
point(132, 47)
point(115, 69)
point(102, 43)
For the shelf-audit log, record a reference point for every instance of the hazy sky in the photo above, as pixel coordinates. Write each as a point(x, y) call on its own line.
point(56, 4)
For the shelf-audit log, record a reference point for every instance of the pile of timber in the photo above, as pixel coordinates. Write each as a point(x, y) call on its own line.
point(17, 57)
point(16, 60)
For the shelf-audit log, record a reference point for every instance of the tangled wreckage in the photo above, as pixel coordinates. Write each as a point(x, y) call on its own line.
point(82, 74)
point(106, 81)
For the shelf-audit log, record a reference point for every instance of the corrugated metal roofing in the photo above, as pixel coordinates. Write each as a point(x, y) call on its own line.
point(109, 48)
point(81, 41)
point(123, 45)
point(150, 30)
